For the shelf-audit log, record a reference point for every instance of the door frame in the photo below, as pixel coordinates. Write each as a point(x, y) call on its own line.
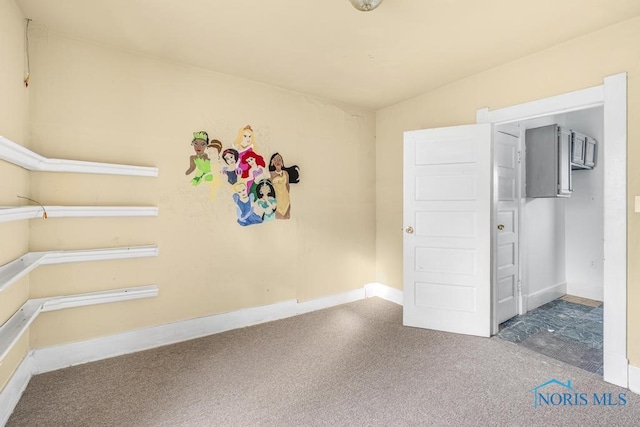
point(612, 95)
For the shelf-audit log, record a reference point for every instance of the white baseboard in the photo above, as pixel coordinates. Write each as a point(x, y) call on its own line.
point(546, 295)
point(385, 292)
point(586, 291)
point(14, 388)
point(18, 324)
point(634, 379)
point(616, 369)
point(329, 301)
point(61, 356)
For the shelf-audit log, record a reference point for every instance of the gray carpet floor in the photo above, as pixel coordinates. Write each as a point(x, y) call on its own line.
point(351, 365)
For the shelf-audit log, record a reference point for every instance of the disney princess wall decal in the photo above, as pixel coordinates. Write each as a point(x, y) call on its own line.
point(232, 168)
point(260, 191)
point(200, 161)
point(245, 204)
point(266, 202)
point(282, 177)
point(253, 169)
point(245, 140)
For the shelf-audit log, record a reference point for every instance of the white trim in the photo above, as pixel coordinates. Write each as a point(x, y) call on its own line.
point(615, 230)
point(548, 294)
point(634, 379)
point(25, 158)
point(330, 301)
point(14, 388)
point(613, 95)
point(8, 213)
point(12, 329)
point(10, 273)
point(616, 367)
point(564, 103)
point(61, 356)
point(383, 291)
point(586, 291)
point(65, 355)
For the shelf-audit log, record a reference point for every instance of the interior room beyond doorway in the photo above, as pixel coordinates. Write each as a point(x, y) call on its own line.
point(561, 256)
point(561, 240)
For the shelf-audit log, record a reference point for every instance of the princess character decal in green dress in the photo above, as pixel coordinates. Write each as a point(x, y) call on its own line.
point(200, 162)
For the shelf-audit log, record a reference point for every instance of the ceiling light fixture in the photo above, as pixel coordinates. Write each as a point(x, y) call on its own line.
point(365, 5)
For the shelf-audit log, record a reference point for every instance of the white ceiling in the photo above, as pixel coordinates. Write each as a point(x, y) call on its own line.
point(326, 47)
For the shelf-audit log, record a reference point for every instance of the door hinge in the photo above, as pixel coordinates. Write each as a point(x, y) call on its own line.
point(519, 156)
point(519, 287)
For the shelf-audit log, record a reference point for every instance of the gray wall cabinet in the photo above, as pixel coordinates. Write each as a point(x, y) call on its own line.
point(548, 158)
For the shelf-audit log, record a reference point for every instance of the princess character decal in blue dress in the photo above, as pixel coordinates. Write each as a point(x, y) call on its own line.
point(232, 168)
point(244, 206)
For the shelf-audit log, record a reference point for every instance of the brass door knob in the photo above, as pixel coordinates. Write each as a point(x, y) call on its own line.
point(500, 227)
point(409, 229)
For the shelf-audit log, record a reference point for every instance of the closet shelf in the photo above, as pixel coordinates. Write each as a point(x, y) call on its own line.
point(23, 157)
point(12, 272)
point(15, 213)
point(12, 329)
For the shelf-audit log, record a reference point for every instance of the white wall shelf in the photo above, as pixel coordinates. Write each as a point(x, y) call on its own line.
point(15, 213)
point(15, 327)
point(23, 157)
point(12, 329)
point(10, 273)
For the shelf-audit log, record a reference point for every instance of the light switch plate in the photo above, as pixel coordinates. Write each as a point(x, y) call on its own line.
point(637, 204)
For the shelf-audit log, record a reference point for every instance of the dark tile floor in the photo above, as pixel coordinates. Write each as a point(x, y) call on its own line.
point(567, 331)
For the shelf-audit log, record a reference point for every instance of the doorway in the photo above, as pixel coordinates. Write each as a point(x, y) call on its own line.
point(556, 309)
point(447, 172)
point(546, 247)
point(611, 96)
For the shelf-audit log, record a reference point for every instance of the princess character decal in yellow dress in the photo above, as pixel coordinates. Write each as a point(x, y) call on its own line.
point(281, 177)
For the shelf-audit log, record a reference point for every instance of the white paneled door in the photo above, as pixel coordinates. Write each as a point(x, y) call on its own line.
point(447, 229)
point(506, 250)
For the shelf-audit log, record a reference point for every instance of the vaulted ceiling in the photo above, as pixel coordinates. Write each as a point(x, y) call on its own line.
point(327, 48)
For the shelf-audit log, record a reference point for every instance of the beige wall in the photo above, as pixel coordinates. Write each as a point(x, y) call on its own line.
point(90, 102)
point(14, 237)
point(578, 64)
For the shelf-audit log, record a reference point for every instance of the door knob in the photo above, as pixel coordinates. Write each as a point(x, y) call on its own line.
point(500, 227)
point(409, 229)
